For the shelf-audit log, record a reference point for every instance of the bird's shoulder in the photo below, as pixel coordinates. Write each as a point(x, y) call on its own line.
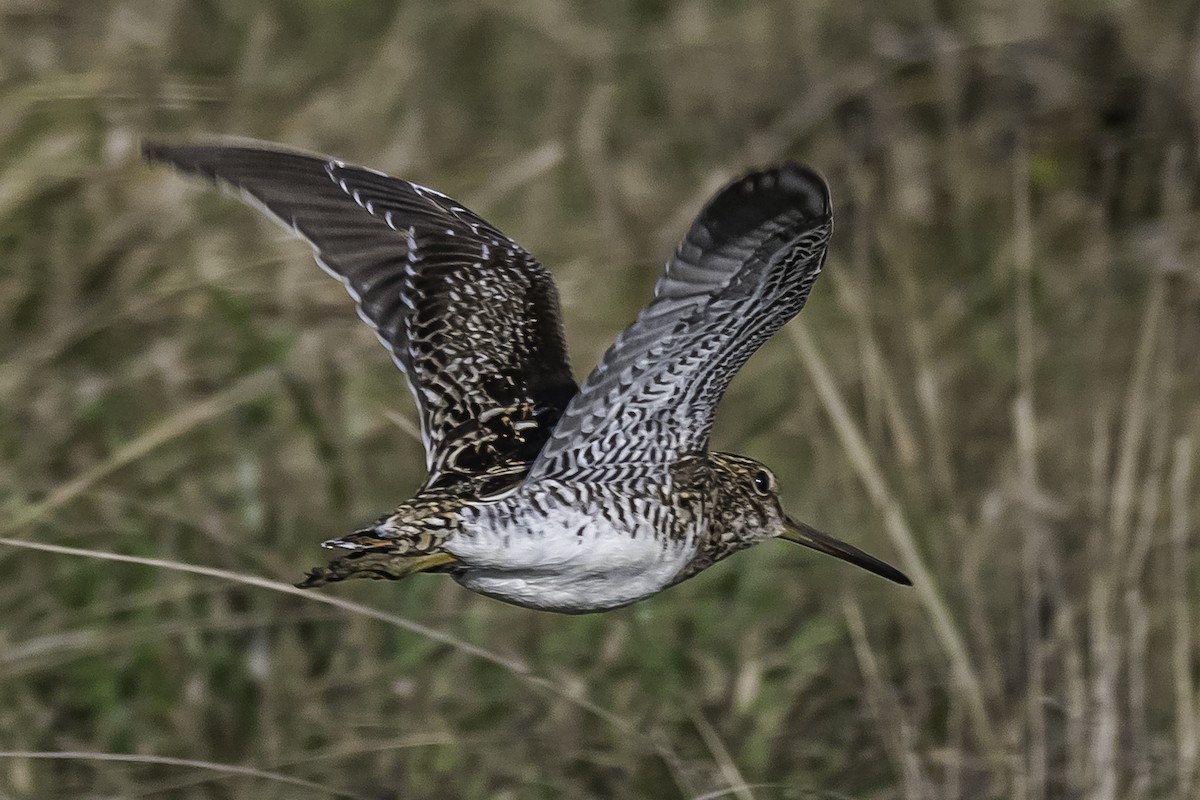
point(692, 473)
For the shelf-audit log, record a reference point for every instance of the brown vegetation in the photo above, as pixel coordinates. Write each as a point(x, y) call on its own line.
point(996, 385)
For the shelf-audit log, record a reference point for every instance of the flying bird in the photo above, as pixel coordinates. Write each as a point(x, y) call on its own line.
point(541, 492)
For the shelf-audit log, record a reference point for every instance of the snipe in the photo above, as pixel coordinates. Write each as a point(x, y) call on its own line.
point(543, 493)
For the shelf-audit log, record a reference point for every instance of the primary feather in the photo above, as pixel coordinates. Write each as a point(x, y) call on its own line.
point(469, 316)
point(744, 269)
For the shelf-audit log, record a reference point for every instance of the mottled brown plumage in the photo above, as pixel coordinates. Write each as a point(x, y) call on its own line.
point(542, 493)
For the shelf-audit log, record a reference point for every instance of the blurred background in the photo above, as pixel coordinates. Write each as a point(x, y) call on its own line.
point(995, 385)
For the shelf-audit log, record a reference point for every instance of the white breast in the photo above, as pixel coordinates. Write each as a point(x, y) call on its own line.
point(559, 557)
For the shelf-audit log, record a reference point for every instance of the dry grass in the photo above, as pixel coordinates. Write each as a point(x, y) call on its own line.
point(995, 384)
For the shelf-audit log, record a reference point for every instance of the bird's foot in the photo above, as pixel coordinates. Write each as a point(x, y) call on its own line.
point(378, 565)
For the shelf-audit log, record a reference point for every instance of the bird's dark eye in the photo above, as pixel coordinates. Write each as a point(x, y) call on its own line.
point(762, 482)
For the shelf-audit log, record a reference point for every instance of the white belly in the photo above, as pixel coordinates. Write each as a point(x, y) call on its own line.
point(567, 560)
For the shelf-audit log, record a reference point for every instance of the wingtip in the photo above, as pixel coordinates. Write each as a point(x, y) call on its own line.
point(764, 194)
point(805, 182)
point(151, 151)
point(212, 152)
point(154, 152)
point(176, 157)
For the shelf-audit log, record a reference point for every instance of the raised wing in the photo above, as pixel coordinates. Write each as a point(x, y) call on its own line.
point(470, 317)
point(743, 270)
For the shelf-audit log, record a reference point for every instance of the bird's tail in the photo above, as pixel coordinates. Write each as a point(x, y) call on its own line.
point(398, 544)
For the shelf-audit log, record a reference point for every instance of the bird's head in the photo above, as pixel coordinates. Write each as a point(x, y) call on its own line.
point(750, 511)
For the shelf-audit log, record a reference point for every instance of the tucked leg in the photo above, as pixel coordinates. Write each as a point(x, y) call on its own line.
point(376, 564)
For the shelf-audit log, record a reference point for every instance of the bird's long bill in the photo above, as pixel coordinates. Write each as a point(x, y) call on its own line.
point(800, 533)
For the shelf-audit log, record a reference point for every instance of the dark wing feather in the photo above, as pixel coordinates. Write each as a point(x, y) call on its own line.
point(743, 270)
point(470, 317)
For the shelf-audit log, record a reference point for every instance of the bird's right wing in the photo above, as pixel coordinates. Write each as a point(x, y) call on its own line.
point(469, 316)
point(743, 270)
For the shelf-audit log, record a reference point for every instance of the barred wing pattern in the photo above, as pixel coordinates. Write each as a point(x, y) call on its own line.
point(743, 270)
point(471, 318)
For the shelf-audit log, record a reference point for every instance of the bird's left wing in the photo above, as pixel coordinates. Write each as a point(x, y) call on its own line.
point(469, 316)
point(744, 269)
